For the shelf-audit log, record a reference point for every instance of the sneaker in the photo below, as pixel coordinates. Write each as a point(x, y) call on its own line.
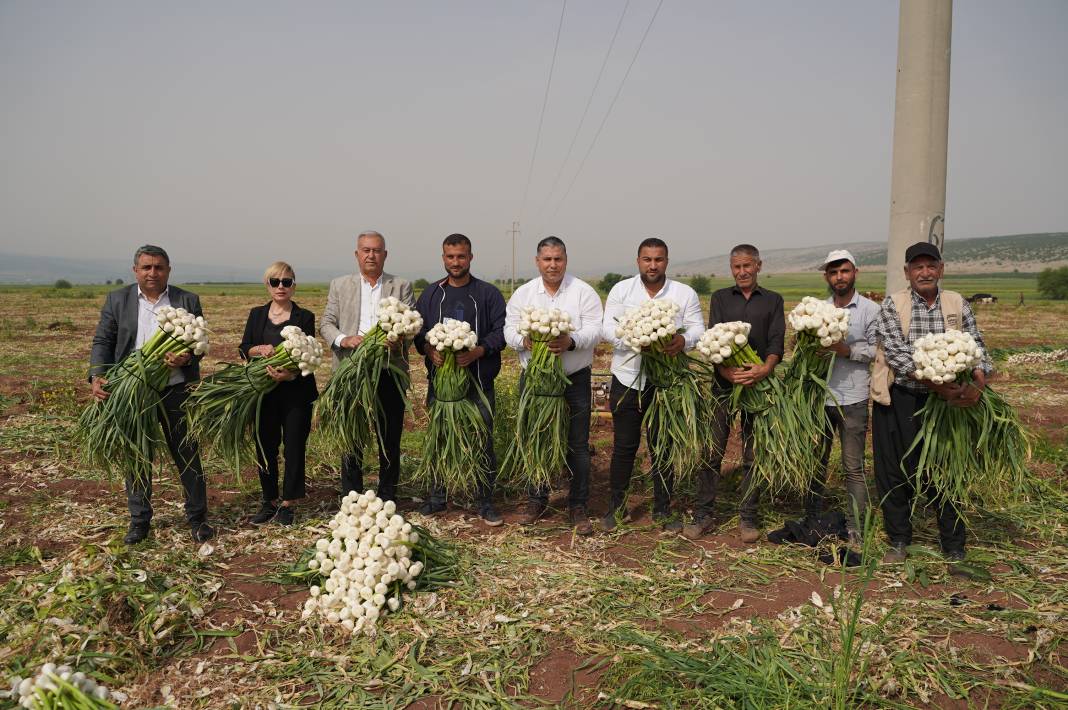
point(201, 532)
point(669, 522)
point(490, 516)
point(748, 532)
point(700, 525)
point(285, 515)
point(535, 509)
point(897, 553)
point(429, 507)
point(266, 512)
point(136, 533)
point(580, 520)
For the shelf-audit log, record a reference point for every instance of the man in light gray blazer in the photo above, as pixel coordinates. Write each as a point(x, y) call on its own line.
point(127, 320)
point(351, 311)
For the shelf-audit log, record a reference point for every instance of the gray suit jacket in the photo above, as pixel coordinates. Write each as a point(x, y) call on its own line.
point(343, 306)
point(116, 332)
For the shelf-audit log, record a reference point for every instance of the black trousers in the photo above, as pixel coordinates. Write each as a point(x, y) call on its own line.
point(186, 455)
point(391, 421)
point(708, 475)
point(628, 407)
point(484, 494)
point(579, 401)
point(893, 429)
point(285, 419)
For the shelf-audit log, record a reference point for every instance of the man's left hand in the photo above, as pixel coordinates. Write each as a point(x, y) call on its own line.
point(676, 345)
point(840, 349)
point(469, 356)
point(176, 361)
point(559, 344)
point(971, 392)
point(752, 374)
point(280, 374)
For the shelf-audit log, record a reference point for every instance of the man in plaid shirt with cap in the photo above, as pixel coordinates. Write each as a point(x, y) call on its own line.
point(924, 307)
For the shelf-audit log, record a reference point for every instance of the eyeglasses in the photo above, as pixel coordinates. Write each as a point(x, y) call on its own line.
point(275, 283)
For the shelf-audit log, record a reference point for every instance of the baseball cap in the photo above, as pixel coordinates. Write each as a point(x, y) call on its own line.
point(922, 249)
point(838, 255)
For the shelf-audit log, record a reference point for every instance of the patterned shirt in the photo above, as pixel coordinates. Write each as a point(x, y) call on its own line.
point(924, 319)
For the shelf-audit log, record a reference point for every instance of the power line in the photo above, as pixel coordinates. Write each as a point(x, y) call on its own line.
point(585, 112)
point(609, 111)
point(544, 103)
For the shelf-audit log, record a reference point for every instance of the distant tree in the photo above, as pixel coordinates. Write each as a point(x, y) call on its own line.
point(118, 282)
point(107, 282)
point(610, 279)
point(1053, 283)
point(61, 283)
point(420, 284)
point(701, 284)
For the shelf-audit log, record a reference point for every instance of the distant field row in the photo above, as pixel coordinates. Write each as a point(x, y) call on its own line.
point(793, 287)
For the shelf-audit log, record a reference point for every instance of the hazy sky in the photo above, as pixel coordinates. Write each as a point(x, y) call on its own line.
point(253, 131)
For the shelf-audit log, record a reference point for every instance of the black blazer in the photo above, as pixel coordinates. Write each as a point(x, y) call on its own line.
point(303, 389)
point(116, 331)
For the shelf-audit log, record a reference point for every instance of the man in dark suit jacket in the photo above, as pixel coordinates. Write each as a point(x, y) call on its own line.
point(127, 321)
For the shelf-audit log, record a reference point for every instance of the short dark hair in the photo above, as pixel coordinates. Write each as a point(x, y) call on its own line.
point(746, 249)
point(151, 250)
point(653, 243)
point(551, 242)
point(454, 240)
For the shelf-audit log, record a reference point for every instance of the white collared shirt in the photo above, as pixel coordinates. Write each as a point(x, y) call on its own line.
point(369, 298)
point(575, 297)
point(631, 293)
point(147, 325)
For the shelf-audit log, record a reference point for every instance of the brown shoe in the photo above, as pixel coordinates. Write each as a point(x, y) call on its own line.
point(699, 526)
point(535, 509)
point(748, 532)
point(896, 554)
point(580, 520)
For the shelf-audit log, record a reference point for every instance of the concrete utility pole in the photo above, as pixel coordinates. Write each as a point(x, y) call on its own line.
point(515, 231)
point(921, 132)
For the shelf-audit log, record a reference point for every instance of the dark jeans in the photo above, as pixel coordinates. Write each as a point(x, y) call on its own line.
point(628, 407)
point(893, 429)
point(579, 401)
point(285, 419)
point(708, 476)
point(186, 455)
point(851, 423)
point(484, 495)
point(391, 420)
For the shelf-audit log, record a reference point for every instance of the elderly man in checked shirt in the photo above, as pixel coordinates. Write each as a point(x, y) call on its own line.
point(924, 307)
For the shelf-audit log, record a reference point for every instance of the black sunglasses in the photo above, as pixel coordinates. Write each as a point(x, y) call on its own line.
point(276, 282)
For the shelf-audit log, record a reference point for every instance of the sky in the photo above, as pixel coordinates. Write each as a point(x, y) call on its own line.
point(246, 132)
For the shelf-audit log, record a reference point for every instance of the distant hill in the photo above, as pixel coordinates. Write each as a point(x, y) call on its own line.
point(1023, 252)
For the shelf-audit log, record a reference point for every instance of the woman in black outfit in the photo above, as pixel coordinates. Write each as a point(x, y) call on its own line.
point(286, 414)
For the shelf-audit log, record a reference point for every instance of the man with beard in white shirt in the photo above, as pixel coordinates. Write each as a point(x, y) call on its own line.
point(631, 394)
point(555, 288)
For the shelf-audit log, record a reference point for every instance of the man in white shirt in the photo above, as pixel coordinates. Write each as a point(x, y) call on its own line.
point(555, 288)
point(631, 394)
point(351, 311)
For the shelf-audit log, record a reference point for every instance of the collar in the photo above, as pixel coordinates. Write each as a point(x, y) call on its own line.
point(756, 290)
point(853, 302)
point(663, 289)
point(363, 279)
point(166, 292)
point(917, 298)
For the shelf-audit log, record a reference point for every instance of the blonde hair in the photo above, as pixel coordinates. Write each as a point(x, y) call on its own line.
point(279, 269)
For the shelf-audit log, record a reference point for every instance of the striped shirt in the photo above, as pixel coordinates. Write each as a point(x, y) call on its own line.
point(924, 319)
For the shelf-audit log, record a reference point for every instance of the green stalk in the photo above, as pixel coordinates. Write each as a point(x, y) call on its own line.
point(539, 450)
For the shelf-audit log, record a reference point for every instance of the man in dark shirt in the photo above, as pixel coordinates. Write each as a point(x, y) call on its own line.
point(763, 310)
point(463, 297)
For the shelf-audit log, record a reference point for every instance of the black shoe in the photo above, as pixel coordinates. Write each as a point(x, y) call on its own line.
point(266, 512)
point(489, 515)
point(285, 515)
point(957, 567)
point(429, 507)
point(614, 518)
point(201, 532)
point(668, 521)
point(136, 533)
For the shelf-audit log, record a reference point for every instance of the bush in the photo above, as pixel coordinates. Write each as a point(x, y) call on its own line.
point(701, 284)
point(1053, 283)
point(610, 279)
point(419, 285)
point(118, 282)
point(61, 283)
